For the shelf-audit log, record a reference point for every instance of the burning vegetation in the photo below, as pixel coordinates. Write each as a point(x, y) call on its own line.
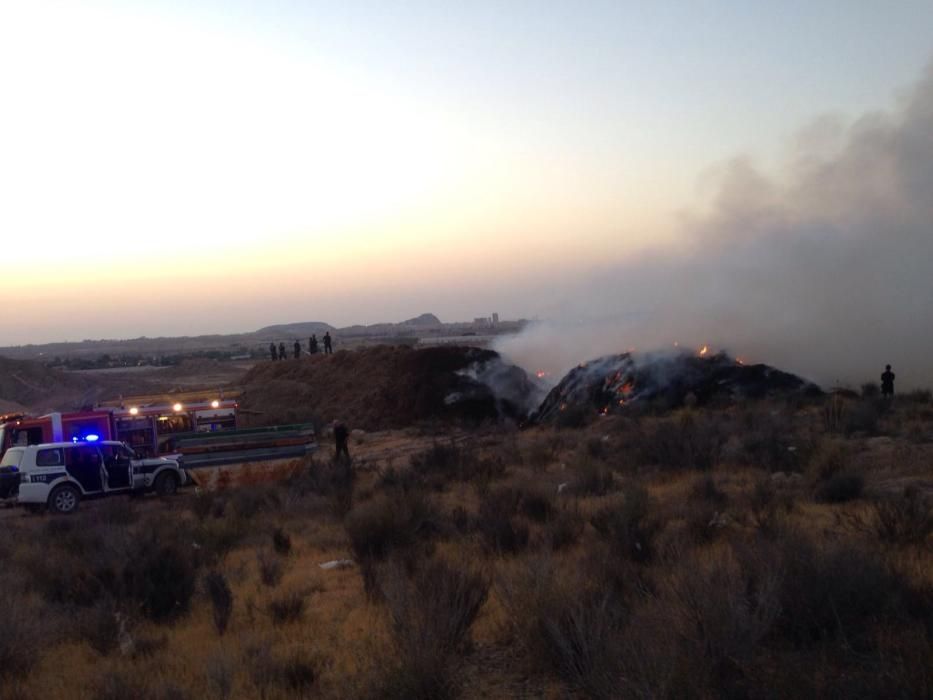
point(612, 383)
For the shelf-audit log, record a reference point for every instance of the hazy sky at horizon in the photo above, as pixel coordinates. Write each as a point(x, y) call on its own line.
point(177, 168)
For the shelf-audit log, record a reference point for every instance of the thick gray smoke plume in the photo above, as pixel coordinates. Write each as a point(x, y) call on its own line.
point(826, 271)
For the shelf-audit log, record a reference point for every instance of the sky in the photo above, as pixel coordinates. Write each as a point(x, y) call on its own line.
point(178, 168)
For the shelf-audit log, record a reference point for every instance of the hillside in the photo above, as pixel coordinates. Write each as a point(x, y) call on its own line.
point(386, 387)
point(423, 320)
point(294, 330)
point(29, 384)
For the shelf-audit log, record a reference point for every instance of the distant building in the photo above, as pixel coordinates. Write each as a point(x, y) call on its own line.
point(495, 319)
point(480, 321)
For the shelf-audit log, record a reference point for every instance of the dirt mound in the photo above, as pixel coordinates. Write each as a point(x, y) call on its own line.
point(37, 387)
point(614, 383)
point(386, 387)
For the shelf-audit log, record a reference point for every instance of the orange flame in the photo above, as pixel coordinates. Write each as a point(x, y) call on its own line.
point(704, 350)
point(541, 374)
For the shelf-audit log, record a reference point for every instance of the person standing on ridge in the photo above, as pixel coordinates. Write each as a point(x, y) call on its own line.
point(297, 349)
point(272, 351)
point(312, 345)
point(328, 344)
point(887, 382)
point(282, 354)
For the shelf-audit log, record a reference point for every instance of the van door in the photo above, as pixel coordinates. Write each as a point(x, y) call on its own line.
point(9, 472)
point(116, 466)
point(83, 464)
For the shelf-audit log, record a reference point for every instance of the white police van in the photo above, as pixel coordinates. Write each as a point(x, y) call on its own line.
point(60, 474)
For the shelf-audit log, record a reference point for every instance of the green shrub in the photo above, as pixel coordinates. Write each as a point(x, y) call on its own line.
point(592, 477)
point(841, 592)
point(684, 442)
point(448, 460)
point(296, 674)
point(271, 569)
point(906, 518)
point(536, 504)
point(389, 521)
point(568, 627)
point(22, 635)
point(221, 597)
point(289, 607)
point(563, 529)
point(432, 612)
point(628, 527)
point(500, 528)
point(862, 417)
point(840, 488)
point(704, 489)
point(161, 579)
point(281, 542)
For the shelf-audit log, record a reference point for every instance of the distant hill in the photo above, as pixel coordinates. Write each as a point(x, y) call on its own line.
point(244, 343)
point(423, 320)
point(294, 330)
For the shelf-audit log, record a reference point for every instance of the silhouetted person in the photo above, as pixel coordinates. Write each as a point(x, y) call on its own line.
point(312, 345)
point(341, 437)
point(887, 382)
point(297, 349)
point(272, 351)
point(328, 345)
point(282, 354)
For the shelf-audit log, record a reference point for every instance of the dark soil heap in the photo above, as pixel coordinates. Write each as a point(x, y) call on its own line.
point(614, 383)
point(386, 387)
point(31, 385)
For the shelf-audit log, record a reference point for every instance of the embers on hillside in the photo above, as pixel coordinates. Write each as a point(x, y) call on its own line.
point(612, 383)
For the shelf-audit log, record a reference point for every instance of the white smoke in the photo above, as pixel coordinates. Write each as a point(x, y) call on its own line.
point(826, 270)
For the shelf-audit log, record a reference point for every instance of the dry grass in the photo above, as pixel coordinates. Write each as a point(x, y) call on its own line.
point(679, 555)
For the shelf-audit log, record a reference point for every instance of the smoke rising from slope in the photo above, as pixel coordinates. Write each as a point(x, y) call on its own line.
point(826, 271)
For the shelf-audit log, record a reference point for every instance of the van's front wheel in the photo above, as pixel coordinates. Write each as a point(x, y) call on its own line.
point(166, 484)
point(64, 499)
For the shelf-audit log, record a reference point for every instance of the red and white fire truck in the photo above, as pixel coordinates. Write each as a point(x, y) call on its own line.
point(149, 429)
point(199, 432)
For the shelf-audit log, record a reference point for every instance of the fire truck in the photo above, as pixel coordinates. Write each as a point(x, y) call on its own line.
point(150, 429)
point(200, 433)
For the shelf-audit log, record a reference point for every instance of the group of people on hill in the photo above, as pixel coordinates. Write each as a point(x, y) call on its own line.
point(313, 345)
point(279, 353)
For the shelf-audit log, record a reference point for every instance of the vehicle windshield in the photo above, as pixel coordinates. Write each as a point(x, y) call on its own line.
point(12, 458)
